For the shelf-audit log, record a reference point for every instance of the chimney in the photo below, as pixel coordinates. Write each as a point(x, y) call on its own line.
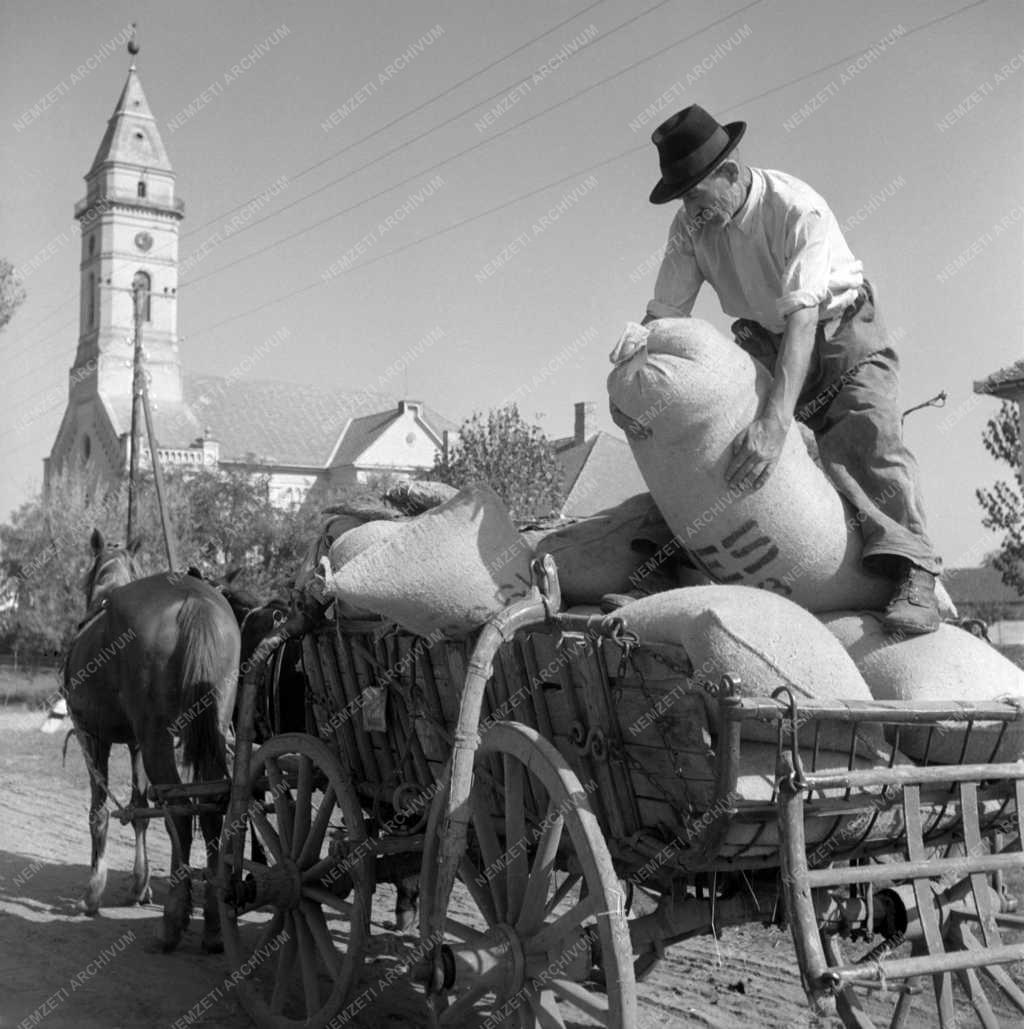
point(586, 417)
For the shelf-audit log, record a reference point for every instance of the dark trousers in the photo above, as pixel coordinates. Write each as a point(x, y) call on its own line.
point(851, 403)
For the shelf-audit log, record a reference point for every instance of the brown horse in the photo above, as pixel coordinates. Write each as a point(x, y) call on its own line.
point(155, 657)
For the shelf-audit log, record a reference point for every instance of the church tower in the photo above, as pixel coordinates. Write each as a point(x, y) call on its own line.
point(129, 221)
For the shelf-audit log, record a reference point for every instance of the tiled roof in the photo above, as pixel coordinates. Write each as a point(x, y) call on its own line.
point(290, 423)
point(361, 433)
point(598, 473)
point(1006, 380)
point(979, 586)
point(175, 425)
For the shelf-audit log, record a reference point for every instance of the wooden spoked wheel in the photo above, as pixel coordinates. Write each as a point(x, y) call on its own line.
point(544, 918)
point(296, 927)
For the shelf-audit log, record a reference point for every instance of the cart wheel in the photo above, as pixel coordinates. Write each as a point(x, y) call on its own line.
point(533, 936)
point(294, 941)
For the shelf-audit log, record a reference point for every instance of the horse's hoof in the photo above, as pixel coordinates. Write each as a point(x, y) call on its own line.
point(213, 945)
point(87, 906)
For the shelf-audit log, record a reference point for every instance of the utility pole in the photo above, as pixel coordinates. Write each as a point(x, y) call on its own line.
point(140, 399)
point(138, 289)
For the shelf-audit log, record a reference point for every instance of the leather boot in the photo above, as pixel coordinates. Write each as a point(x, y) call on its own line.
point(913, 610)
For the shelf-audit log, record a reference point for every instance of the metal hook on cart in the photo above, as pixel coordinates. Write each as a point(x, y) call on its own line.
point(797, 779)
point(627, 640)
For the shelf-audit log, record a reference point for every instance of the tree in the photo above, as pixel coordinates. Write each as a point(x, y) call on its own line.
point(12, 292)
point(1002, 503)
point(222, 520)
point(515, 459)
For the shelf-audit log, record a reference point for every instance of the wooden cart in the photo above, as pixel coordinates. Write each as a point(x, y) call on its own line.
point(589, 794)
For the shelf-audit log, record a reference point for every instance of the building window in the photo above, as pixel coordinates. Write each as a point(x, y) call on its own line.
point(92, 300)
point(86, 446)
point(92, 245)
point(142, 188)
point(142, 280)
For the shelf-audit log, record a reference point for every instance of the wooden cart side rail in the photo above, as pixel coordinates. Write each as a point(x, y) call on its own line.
point(896, 712)
point(902, 775)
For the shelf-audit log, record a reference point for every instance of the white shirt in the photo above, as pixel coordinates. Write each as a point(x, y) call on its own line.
point(781, 251)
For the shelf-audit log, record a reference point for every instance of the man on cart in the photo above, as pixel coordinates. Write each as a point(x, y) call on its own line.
point(773, 252)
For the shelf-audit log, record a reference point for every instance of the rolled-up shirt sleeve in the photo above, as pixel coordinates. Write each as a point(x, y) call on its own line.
point(679, 278)
point(808, 262)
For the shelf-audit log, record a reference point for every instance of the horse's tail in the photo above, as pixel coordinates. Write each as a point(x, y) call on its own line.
point(206, 683)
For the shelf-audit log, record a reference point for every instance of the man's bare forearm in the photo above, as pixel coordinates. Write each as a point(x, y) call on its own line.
point(791, 366)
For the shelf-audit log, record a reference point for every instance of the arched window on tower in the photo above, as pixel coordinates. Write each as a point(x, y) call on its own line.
point(143, 280)
point(142, 188)
point(92, 300)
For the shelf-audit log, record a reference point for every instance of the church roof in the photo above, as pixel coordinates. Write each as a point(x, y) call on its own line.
point(289, 423)
point(132, 136)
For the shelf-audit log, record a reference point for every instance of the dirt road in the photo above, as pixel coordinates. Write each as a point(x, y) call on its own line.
point(63, 970)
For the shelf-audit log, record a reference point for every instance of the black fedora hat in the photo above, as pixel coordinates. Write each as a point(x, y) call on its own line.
point(689, 145)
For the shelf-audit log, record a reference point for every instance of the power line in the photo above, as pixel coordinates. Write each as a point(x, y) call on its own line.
point(578, 172)
point(462, 153)
point(426, 103)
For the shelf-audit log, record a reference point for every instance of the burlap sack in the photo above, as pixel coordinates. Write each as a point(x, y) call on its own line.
point(352, 542)
point(948, 665)
point(623, 548)
point(696, 390)
point(763, 640)
point(830, 837)
point(446, 571)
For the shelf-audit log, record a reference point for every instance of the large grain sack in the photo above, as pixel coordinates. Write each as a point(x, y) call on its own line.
point(762, 639)
point(352, 542)
point(829, 836)
point(948, 665)
point(626, 547)
point(695, 390)
point(446, 571)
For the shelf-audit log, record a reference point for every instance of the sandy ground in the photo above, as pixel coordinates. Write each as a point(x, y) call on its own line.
point(63, 970)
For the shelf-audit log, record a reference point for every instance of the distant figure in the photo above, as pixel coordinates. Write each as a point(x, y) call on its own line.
point(773, 252)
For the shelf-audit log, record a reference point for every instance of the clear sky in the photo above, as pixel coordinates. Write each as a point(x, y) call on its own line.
point(915, 139)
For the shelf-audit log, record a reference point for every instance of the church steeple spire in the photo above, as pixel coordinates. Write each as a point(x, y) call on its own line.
point(132, 136)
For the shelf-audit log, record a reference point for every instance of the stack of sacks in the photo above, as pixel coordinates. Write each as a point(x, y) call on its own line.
point(625, 548)
point(695, 391)
point(446, 571)
point(766, 642)
point(948, 665)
